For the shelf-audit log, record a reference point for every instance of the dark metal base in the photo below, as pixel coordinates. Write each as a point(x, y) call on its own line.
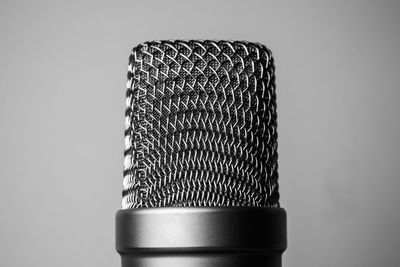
point(201, 236)
point(202, 260)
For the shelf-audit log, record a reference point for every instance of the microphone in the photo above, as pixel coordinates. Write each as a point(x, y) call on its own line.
point(200, 184)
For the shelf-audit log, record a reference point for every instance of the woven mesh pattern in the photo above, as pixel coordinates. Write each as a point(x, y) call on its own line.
point(200, 125)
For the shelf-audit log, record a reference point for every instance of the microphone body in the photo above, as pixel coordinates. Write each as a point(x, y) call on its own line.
point(200, 181)
point(201, 236)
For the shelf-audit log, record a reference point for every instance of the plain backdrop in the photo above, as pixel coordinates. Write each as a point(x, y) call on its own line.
point(63, 71)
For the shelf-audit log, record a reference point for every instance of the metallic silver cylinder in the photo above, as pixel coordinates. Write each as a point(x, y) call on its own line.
point(200, 183)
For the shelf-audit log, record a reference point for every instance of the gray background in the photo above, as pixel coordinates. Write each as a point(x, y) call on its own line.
point(62, 78)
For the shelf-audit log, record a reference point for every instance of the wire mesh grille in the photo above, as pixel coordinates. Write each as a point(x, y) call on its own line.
point(200, 125)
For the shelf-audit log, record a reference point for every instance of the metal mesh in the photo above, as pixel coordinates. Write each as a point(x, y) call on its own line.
point(200, 125)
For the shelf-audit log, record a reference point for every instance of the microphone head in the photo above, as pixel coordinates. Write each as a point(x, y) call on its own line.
point(200, 125)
